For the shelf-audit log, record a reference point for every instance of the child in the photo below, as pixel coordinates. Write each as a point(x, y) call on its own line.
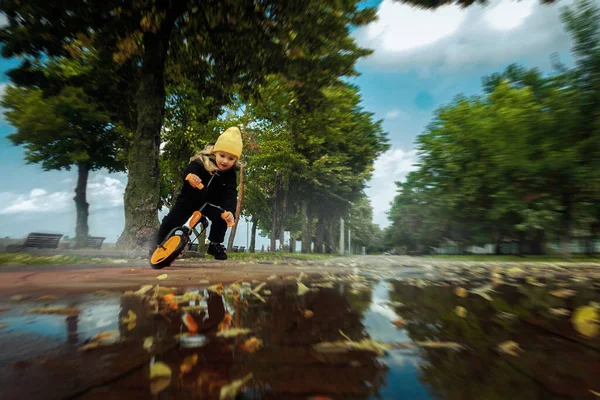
point(216, 162)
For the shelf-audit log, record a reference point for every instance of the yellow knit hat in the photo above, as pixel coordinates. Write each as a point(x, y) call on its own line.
point(230, 142)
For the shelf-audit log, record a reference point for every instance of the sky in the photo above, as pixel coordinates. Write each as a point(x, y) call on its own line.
point(422, 59)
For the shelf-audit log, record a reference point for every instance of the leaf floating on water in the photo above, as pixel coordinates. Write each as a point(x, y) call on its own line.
point(229, 333)
point(144, 289)
point(230, 391)
point(586, 321)
point(563, 293)
point(54, 310)
point(349, 345)
point(510, 347)
point(160, 377)
point(188, 363)
point(461, 311)
point(162, 277)
point(302, 289)
point(461, 292)
point(148, 343)
point(559, 312)
point(218, 288)
point(251, 345)
point(47, 298)
point(399, 323)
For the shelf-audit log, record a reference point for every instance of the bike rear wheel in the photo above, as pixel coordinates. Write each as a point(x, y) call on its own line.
point(168, 251)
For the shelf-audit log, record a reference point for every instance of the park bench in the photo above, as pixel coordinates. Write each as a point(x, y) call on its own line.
point(234, 249)
point(242, 249)
point(37, 240)
point(95, 242)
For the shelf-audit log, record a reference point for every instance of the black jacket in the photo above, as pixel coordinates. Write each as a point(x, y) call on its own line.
point(222, 190)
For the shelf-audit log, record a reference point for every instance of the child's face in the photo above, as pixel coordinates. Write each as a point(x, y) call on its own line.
point(225, 160)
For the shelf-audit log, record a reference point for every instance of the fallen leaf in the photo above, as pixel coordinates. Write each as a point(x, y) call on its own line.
point(89, 346)
point(218, 288)
point(461, 311)
point(148, 343)
point(348, 345)
point(160, 377)
point(48, 297)
point(131, 317)
point(510, 347)
point(188, 363)
point(18, 297)
point(327, 285)
point(251, 345)
point(586, 321)
point(461, 292)
point(54, 310)
point(302, 289)
point(440, 345)
point(109, 335)
point(162, 277)
point(483, 291)
point(272, 277)
point(563, 293)
point(258, 288)
point(266, 292)
point(191, 308)
point(102, 292)
point(229, 333)
point(131, 325)
point(145, 288)
point(559, 312)
point(191, 296)
point(399, 323)
point(308, 314)
point(203, 281)
point(190, 323)
point(594, 393)
point(246, 284)
point(532, 281)
point(394, 304)
point(230, 391)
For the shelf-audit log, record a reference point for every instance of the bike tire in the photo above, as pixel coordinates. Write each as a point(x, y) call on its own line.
point(168, 252)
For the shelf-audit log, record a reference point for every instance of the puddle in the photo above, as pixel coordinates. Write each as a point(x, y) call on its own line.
point(42, 356)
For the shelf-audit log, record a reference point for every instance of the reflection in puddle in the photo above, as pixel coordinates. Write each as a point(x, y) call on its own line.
point(259, 342)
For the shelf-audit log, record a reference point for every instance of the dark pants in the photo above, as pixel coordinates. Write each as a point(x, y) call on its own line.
point(177, 218)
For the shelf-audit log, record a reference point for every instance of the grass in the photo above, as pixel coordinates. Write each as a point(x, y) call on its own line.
point(28, 259)
point(507, 258)
point(279, 256)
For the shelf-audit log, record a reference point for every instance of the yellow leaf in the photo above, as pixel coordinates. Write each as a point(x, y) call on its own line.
point(188, 363)
point(461, 311)
point(228, 333)
point(302, 289)
point(160, 370)
point(203, 282)
point(148, 343)
point(230, 391)
point(272, 277)
point(308, 314)
point(144, 289)
point(399, 323)
point(162, 277)
point(131, 317)
point(47, 298)
point(586, 321)
point(563, 293)
point(461, 292)
point(218, 288)
point(18, 297)
point(252, 345)
point(131, 325)
point(510, 347)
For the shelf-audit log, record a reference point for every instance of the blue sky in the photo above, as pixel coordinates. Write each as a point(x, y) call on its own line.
point(422, 60)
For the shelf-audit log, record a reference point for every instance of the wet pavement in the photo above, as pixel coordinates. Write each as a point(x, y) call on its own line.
point(393, 332)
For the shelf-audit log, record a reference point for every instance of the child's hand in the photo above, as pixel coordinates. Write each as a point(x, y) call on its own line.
point(228, 217)
point(195, 181)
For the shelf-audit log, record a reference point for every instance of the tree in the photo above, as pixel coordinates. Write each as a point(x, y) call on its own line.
point(214, 45)
point(63, 131)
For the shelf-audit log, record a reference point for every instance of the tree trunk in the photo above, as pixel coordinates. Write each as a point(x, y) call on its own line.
point(275, 209)
point(565, 235)
point(538, 243)
point(284, 213)
point(331, 241)
point(81, 205)
point(142, 191)
point(238, 209)
point(292, 242)
point(306, 226)
point(253, 235)
point(320, 236)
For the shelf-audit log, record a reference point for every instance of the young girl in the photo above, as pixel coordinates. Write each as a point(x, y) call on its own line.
point(216, 162)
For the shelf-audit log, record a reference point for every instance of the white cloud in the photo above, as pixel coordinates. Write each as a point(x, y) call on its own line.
point(452, 39)
point(390, 167)
point(392, 114)
point(103, 192)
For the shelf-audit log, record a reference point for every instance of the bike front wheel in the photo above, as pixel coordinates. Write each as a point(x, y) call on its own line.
point(165, 254)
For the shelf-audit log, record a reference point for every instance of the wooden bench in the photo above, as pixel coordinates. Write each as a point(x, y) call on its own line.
point(242, 249)
point(37, 240)
point(95, 242)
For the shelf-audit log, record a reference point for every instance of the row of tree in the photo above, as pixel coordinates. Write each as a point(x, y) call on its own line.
point(521, 162)
point(140, 86)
